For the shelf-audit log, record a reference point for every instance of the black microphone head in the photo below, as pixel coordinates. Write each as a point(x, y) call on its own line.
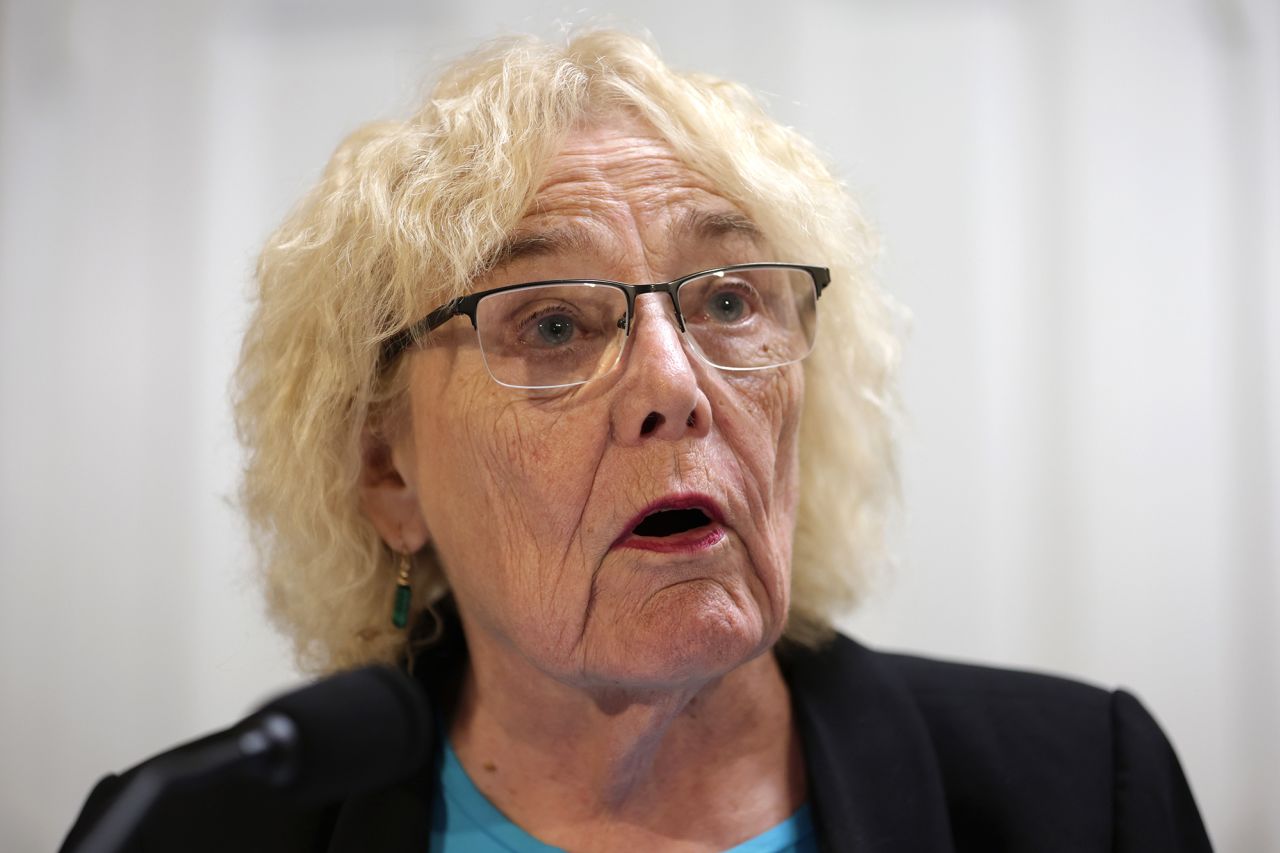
point(356, 731)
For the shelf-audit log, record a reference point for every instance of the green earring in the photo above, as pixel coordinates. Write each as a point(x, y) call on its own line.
point(404, 594)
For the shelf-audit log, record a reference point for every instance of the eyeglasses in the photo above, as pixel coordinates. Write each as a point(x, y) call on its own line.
point(557, 334)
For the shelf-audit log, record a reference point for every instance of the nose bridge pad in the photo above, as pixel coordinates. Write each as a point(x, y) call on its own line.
point(628, 323)
point(675, 309)
point(685, 343)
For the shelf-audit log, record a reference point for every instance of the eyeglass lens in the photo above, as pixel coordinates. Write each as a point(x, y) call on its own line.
point(565, 334)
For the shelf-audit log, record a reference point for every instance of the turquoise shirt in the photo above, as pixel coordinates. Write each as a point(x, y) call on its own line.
point(464, 821)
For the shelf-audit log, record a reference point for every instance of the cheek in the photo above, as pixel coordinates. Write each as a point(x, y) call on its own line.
point(762, 428)
point(789, 399)
point(761, 422)
point(505, 487)
point(542, 466)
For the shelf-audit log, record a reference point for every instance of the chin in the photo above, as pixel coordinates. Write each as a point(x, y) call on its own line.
point(693, 631)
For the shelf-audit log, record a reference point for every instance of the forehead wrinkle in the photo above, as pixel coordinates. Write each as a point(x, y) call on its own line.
point(603, 193)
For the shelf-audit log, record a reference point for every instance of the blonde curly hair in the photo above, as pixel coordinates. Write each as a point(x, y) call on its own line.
point(402, 220)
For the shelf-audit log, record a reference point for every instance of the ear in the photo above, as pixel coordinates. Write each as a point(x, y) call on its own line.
point(388, 494)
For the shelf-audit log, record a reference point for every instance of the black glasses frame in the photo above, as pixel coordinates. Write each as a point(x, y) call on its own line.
point(465, 306)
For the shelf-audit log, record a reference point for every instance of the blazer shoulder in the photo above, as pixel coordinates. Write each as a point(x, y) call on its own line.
point(1024, 752)
point(1154, 807)
point(942, 688)
point(950, 683)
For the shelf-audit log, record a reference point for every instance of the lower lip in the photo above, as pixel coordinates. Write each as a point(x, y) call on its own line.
point(688, 542)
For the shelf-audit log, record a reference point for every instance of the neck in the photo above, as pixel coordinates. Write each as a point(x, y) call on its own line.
point(715, 761)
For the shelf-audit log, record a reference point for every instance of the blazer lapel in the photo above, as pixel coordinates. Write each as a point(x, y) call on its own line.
point(874, 783)
point(397, 819)
point(391, 820)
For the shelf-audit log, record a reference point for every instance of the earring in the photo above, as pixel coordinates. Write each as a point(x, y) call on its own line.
point(404, 594)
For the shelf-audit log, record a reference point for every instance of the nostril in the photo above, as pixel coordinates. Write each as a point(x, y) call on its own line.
point(692, 419)
point(651, 422)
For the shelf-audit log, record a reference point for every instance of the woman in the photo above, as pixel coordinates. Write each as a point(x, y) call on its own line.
point(617, 517)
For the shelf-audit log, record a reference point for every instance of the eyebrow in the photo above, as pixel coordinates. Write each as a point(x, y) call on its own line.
point(536, 244)
point(711, 225)
point(705, 224)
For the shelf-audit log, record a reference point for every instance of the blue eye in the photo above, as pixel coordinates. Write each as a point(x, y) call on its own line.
point(726, 307)
point(555, 329)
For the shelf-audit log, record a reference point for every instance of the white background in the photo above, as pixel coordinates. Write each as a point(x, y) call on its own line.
point(1080, 202)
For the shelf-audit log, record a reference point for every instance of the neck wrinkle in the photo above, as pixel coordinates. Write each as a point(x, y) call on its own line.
point(550, 755)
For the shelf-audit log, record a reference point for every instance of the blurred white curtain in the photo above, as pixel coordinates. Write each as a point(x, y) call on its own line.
point(1080, 203)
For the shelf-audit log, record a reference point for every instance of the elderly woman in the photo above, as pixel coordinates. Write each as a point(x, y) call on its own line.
point(537, 407)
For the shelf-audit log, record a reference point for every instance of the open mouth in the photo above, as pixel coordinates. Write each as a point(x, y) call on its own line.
point(677, 523)
point(669, 522)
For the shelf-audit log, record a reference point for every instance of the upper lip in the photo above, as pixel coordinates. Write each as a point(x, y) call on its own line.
point(683, 500)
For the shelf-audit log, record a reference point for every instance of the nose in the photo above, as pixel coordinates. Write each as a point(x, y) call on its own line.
point(659, 397)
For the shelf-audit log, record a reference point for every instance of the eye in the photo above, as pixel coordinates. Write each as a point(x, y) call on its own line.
point(726, 306)
point(555, 329)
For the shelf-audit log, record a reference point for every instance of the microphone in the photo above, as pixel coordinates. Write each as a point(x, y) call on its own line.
point(339, 736)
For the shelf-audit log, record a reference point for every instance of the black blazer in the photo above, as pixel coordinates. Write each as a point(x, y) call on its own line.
point(902, 754)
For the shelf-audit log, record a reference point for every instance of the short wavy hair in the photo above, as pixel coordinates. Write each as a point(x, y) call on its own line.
point(402, 220)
